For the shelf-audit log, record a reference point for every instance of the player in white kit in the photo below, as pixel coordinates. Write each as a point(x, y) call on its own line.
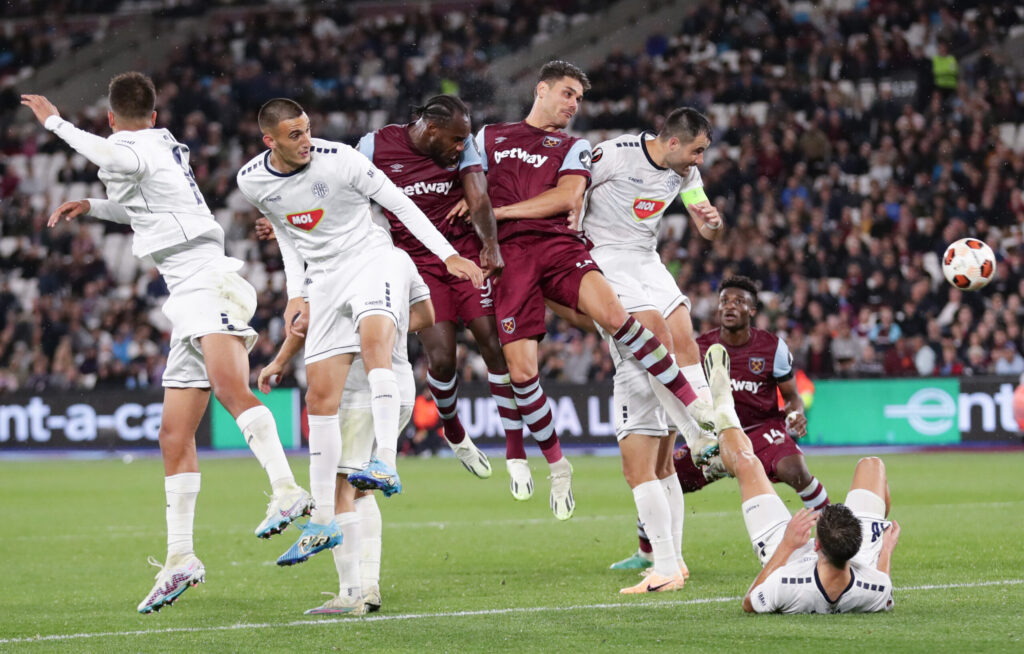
point(357, 559)
point(845, 569)
point(150, 186)
point(635, 178)
point(317, 195)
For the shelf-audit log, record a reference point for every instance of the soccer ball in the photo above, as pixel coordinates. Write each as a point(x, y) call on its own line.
point(969, 264)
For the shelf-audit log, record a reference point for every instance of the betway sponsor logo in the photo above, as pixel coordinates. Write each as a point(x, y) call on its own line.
point(34, 422)
point(748, 386)
point(424, 188)
point(534, 160)
point(931, 411)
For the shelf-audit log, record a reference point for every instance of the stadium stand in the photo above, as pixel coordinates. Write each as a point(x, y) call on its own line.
point(848, 152)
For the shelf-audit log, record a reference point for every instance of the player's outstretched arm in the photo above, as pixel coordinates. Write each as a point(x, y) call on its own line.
point(463, 268)
point(482, 216)
point(293, 342)
point(100, 151)
point(562, 199)
point(69, 210)
point(798, 532)
point(889, 540)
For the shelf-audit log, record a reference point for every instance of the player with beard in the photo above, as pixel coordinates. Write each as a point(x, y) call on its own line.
point(536, 176)
point(436, 164)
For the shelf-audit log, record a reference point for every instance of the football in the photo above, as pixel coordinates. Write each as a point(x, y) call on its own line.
point(969, 264)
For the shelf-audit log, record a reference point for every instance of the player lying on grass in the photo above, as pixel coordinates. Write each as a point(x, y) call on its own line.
point(150, 186)
point(357, 557)
point(845, 569)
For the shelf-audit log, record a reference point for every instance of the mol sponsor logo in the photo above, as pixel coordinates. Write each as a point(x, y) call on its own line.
point(306, 220)
point(644, 208)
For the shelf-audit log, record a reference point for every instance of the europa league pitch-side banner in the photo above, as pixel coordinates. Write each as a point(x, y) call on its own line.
point(929, 411)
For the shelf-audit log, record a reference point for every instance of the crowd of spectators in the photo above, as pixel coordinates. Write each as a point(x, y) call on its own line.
point(840, 191)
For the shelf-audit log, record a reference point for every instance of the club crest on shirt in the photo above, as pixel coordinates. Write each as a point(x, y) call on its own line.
point(508, 324)
point(551, 142)
point(320, 190)
point(756, 365)
point(305, 220)
point(644, 208)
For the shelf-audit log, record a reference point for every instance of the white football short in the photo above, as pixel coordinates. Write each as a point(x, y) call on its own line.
point(640, 279)
point(637, 409)
point(766, 517)
point(203, 304)
point(358, 444)
point(371, 282)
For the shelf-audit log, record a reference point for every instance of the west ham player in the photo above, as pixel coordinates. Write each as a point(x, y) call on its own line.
point(536, 176)
point(434, 161)
point(761, 369)
point(150, 186)
point(317, 196)
point(357, 559)
point(634, 179)
point(844, 569)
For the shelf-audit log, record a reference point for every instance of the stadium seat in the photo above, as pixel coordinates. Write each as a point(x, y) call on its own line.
point(1008, 134)
point(758, 111)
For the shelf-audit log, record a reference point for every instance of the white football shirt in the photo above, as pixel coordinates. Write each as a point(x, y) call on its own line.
point(322, 210)
point(150, 186)
point(795, 588)
point(629, 193)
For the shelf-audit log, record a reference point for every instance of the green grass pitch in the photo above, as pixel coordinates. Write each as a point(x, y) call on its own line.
point(467, 569)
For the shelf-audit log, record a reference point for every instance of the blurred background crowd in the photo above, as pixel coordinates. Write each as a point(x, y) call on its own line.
point(852, 142)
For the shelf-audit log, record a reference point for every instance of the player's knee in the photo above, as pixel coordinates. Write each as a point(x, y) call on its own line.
point(871, 465)
point(442, 368)
point(746, 464)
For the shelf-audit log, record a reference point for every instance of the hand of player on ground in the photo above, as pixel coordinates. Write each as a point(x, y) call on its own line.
point(491, 261)
point(264, 231)
point(891, 537)
point(69, 210)
point(40, 106)
point(463, 268)
point(460, 210)
point(270, 373)
point(796, 424)
point(798, 531)
point(296, 317)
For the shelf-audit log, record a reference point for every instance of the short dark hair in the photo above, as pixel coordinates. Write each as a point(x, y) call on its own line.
point(441, 109)
point(839, 534)
point(741, 282)
point(274, 111)
point(685, 123)
point(132, 95)
point(555, 70)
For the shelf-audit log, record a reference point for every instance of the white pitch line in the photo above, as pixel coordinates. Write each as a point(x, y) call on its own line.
point(452, 614)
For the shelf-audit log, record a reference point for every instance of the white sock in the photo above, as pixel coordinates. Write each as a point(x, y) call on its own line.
point(652, 507)
point(346, 555)
point(260, 431)
point(181, 491)
point(561, 465)
point(385, 403)
point(370, 531)
point(677, 508)
point(694, 374)
point(324, 454)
